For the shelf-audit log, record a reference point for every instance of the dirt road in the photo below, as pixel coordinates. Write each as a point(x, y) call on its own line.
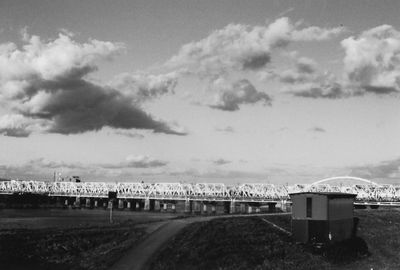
point(139, 257)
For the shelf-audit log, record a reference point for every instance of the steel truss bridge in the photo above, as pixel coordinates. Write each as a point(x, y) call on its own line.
point(367, 192)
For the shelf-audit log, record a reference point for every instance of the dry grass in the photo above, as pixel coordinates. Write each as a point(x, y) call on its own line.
point(74, 248)
point(237, 243)
point(249, 243)
point(381, 230)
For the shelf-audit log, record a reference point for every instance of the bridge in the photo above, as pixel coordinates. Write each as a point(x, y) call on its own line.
point(368, 191)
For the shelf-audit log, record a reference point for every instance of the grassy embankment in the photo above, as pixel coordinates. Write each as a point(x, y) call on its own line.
point(250, 243)
point(81, 248)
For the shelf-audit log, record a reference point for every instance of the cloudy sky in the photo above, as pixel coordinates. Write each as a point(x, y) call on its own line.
point(216, 91)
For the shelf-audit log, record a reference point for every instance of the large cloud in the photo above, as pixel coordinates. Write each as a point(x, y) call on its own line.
point(243, 47)
point(385, 169)
point(230, 96)
point(372, 60)
point(46, 84)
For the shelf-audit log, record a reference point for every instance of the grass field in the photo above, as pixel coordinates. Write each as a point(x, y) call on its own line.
point(68, 239)
point(72, 218)
point(250, 243)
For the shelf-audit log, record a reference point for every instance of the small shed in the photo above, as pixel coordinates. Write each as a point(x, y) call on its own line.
point(321, 217)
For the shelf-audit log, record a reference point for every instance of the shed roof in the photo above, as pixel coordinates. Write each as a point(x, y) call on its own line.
point(330, 195)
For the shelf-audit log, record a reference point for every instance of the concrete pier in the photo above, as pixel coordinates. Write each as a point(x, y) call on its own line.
point(187, 206)
point(232, 207)
point(242, 208)
point(87, 204)
point(77, 202)
point(196, 207)
point(120, 204)
point(157, 206)
point(146, 204)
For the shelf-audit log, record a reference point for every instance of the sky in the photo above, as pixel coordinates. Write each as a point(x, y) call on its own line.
point(200, 91)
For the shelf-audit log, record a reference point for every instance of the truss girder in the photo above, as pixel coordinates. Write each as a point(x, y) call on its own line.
point(197, 191)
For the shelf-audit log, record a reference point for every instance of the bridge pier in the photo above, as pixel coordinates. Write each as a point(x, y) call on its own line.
point(242, 208)
point(196, 207)
point(146, 204)
point(77, 202)
point(187, 206)
point(87, 203)
point(157, 206)
point(232, 207)
point(120, 204)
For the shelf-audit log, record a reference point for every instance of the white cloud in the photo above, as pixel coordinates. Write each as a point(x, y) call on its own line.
point(316, 33)
point(16, 125)
point(229, 96)
point(143, 86)
point(372, 60)
point(243, 47)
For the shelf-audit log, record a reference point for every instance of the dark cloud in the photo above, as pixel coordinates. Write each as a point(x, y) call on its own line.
point(379, 89)
point(55, 96)
point(317, 129)
point(305, 65)
point(256, 61)
point(129, 134)
point(230, 96)
point(221, 161)
point(329, 91)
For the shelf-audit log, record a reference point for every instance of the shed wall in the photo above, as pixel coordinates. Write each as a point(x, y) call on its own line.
point(319, 207)
point(340, 208)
